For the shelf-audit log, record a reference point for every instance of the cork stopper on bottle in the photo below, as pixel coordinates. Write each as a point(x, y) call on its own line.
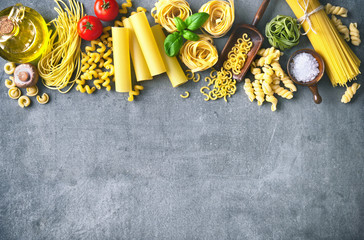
point(6, 26)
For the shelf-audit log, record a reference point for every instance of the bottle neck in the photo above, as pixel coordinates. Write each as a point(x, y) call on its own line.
point(9, 25)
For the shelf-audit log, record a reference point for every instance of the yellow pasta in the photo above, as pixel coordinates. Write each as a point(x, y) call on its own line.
point(9, 83)
point(222, 16)
point(32, 91)
point(186, 95)
point(9, 68)
point(222, 85)
point(43, 99)
point(341, 63)
point(288, 83)
point(336, 10)
point(344, 30)
point(98, 83)
point(258, 91)
point(24, 101)
point(93, 46)
point(284, 93)
point(249, 90)
point(238, 54)
point(199, 55)
point(273, 100)
point(136, 92)
point(62, 58)
point(118, 23)
point(354, 33)
point(141, 9)
point(14, 93)
point(165, 11)
point(125, 6)
point(85, 88)
point(349, 93)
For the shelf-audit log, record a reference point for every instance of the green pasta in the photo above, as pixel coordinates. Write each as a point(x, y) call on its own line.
point(283, 32)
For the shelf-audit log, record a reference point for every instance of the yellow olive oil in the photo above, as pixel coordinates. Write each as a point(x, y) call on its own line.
point(24, 35)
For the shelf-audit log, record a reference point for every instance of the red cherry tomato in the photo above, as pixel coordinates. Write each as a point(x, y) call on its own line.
point(89, 28)
point(106, 10)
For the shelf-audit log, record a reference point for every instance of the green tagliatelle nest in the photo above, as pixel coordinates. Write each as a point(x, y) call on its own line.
point(283, 32)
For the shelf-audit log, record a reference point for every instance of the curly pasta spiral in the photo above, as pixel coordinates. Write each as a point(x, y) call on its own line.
point(14, 93)
point(222, 16)
point(258, 91)
point(336, 10)
point(344, 30)
point(273, 100)
point(24, 101)
point(288, 83)
point(166, 10)
point(354, 33)
point(249, 90)
point(349, 93)
point(43, 99)
point(32, 91)
point(199, 55)
point(125, 6)
point(284, 93)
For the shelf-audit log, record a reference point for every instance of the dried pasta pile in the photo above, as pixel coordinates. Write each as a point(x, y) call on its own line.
point(222, 16)
point(221, 83)
point(268, 76)
point(62, 59)
point(342, 65)
point(166, 10)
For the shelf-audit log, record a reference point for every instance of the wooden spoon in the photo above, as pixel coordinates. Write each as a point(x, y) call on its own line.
point(256, 37)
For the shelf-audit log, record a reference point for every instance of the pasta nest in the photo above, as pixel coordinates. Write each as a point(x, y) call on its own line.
point(165, 11)
point(199, 55)
point(222, 16)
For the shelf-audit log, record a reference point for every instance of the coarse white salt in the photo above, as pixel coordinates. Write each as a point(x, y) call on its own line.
point(304, 67)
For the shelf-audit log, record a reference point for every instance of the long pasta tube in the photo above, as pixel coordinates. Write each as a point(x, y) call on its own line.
point(140, 65)
point(121, 59)
point(147, 43)
point(174, 71)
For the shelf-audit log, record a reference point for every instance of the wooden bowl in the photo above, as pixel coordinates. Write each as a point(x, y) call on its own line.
point(312, 85)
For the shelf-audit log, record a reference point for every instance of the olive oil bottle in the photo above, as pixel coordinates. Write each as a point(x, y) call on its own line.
point(23, 34)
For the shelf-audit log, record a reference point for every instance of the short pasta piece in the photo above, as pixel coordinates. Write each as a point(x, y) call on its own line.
point(24, 101)
point(125, 6)
point(9, 83)
point(249, 90)
point(354, 33)
point(287, 82)
point(258, 91)
point(32, 91)
point(344, 30)
point(273, 100)
point(350, 92)
point(43, 99)
point(14, 93)
point(336, 10)
point(85, 88)
point(185, 95)
point(136, 92)
point(9, 68)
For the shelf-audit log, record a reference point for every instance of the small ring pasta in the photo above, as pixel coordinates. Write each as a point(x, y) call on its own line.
point(9, 68)
point(43, 99)
point(14, 93)
point(9, 83)
point(24, 101)
point(186, 95)
point(32, 91)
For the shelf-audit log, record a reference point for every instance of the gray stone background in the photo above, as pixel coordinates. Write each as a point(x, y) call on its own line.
point(162, 167)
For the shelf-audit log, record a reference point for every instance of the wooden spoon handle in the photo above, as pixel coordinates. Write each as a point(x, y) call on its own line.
point(260, 12)
point(316, 96)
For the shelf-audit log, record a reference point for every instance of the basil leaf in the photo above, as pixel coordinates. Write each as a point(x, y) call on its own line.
point(173, 43)
point(195, 21)
point(180, 24)
point(190, 35)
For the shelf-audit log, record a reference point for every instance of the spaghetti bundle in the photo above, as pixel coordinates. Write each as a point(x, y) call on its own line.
point(165, 11)
point(342, 65)
point(63, 54)
point(222, 16)
point(199, 55)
